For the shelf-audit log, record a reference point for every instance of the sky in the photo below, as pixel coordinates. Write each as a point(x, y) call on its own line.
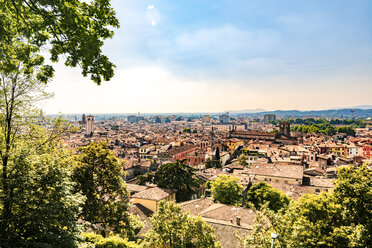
point(220, 55)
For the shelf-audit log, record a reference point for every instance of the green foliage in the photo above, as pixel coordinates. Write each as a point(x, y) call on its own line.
point(353, 191)
point(250, 153)
point(312, 121)
point(74, 29)
point(173, 228)
point(147, 178)
point(243, 160)
point(98, 176)
point(227, 190)
point(110, 242)
point(341, 218)
point(175, 176)
point(186, 130)
point(37, 205)
point(348, 130)
point(258, 237)
point(217, 155)
point(212, 163)
point(262, 193)
point(326, 127)
point(43, 209)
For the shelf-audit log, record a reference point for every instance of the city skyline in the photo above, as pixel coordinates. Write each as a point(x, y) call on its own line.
point(214, 56)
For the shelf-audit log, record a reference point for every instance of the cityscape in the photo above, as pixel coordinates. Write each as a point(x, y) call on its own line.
point(185, 124)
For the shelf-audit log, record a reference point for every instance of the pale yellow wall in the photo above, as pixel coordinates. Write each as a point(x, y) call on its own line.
point(150, 204)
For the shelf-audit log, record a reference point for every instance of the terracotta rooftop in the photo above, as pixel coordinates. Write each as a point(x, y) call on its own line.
point(135, 188)
point(156, 194)
point(278, 170)
point(241, 132)
point(138, 210)
point(222, 218)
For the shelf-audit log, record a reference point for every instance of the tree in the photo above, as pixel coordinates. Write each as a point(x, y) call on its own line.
point(173, 176)
point(212, 163)
point(186, 130)
point(179, 177)
point(37, 205)
point(43, 209)
point(147, 178)
point(341, 218)
point(217, 156)
point(353, 191)
point(258, 237)
point(348, 130)
point(173, 228)
point(98, 175)
point(243, 160)
point(227, 190)
point(74, 29)
point(263, 193)
point(110, 242)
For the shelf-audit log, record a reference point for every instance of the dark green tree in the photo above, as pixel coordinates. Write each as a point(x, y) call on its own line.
point(212, 163)
point(217, 155)
point(98, 175)
point(175, 176)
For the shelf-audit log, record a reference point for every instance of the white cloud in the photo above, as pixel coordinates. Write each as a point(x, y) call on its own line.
point(153, 23)
point(150, 7)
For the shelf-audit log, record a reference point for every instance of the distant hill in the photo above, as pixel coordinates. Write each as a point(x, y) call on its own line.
point(336, 113)
point(245, 111)
point(363, 107)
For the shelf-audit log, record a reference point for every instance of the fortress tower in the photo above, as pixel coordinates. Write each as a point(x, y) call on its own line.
point(285, 128)
point(90, 125)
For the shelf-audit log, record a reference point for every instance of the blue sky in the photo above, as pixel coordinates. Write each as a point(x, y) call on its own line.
point(191, 56)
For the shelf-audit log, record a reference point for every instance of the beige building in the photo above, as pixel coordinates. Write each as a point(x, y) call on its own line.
point(151, 197)
point(278, 172)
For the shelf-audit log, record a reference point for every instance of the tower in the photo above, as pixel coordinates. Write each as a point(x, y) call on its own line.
point(90, 125)
point(212, 142)
point(83, 119)
point(285, 128)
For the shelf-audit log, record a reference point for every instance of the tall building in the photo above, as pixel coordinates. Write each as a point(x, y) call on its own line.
point(285, 128)
point(225, 118)
point(83, 119)
point(132, 118)
point(269, 117)
point(89, 125)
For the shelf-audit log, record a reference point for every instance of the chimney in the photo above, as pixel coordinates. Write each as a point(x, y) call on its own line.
point(238, 220)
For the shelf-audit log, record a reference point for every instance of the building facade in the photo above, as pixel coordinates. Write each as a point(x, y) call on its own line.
point(89, 125)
